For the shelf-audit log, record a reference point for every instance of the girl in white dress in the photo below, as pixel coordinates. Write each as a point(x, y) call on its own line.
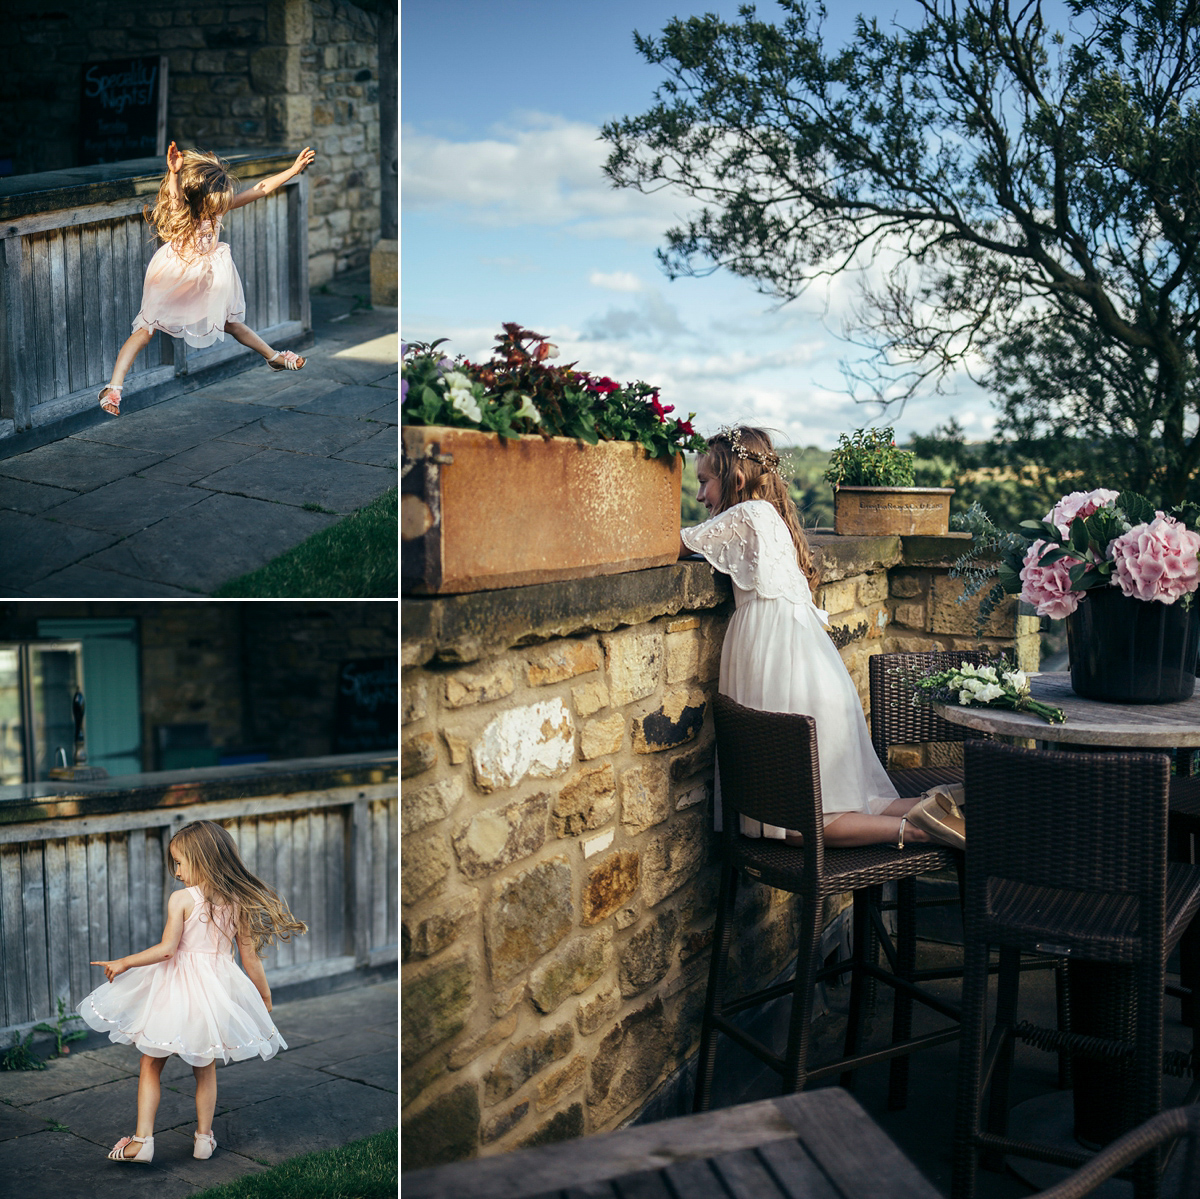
point(186, 996)
point(777, 656)
point(192, 289)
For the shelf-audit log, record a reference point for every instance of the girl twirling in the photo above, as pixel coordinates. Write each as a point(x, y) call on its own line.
point(185, 995)
point(777, 656)
point(192, 289)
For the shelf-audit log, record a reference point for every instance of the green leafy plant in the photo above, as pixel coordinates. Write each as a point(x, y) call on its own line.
point(59, 1030)
point(520, 391)
point(18, 1055)
point(870, 458)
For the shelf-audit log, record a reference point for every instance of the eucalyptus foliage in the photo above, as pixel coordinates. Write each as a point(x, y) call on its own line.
point(1027, 199)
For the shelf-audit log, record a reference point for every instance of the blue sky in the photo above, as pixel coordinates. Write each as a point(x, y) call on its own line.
point(505, 215)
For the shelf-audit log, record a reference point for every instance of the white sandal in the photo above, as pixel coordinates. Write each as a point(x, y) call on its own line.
point(206, 1142)
point(144, 1154)
point(114, 394)
point(288, 361)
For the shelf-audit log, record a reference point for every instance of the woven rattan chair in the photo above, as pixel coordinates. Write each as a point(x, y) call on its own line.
point(768, 767)
point(1067, 856)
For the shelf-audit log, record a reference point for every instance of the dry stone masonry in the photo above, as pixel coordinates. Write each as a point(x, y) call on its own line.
point(558, 862)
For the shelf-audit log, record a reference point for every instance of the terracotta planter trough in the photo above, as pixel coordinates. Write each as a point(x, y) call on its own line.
point(892, 511)
point(479, 512)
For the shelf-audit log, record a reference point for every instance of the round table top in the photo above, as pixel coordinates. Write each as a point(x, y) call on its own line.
point(1089, 722)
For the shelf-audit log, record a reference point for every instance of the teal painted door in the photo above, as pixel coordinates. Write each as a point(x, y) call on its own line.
point(112, 691)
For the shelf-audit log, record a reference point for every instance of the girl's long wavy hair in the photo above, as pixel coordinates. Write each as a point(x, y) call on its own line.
point(208, 187)
point(753, 478)
point(213, 860)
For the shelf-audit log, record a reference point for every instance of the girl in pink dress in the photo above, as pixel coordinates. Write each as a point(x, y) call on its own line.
point(192, 289)
point(185, 995)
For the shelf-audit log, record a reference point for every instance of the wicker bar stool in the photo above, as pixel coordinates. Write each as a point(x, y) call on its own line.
point(769, 772)
point(1067, 856)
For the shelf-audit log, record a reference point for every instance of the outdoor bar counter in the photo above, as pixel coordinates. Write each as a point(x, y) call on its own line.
point(74, 245)
point(84, 877)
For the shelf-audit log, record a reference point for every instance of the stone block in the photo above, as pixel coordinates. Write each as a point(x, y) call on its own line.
point(627, 917)
point(683, 655)
point(692, 797)
point(673, 857)
point(445, 1131)
point(424, 864)
point(321, 268)
point(949, 616)
point(598, 1011)
point(589, 697)
point(385, 271)
point(645, 796)
point(275, 70)
point(528, 917)
point(289, 22)
point(491, 840)
point(505, 1122)
point(588, 801)
point(610, 884)
point(436, 929)
point(414, 701)
point(483, 685)
point(873, 589)
point(629, 1062)
point(563, 660)
point(418, 753)
point(603, 736)
point(634, 662)
point(416, 1080)
point(647, 955)
point(434, 1007)
point(838, 597)
point(906, 584)
point(468, 1050)
point(457, 747)
point(520, 1062)
point(322, 114)
point(597, 844)
point(573, 970)
point(563, 1126)
point(682, 623)
point(290, 117)
point(910, 616)
point(557, 1085)
point(538, 740)
point(423, 805)
point(693, 761)
point(676, 722)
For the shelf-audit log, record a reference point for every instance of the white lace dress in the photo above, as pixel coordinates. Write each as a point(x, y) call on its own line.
point(777, 656)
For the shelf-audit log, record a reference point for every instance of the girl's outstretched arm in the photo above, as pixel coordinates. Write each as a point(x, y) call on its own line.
point(156, 953)
point(253, 966)
point(264, 187)
point(174, 165)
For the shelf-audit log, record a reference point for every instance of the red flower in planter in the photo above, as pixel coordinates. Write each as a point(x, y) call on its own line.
point(602, 386)
point(659, 410)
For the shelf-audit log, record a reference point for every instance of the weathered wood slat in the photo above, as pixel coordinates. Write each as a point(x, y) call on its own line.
point(108, 337)
point(95, 308)
point(275, 214)
point(788, 1160)
point(33, 903)
point(744, 1175)
point(77, 917)
point(696, 1180)
point(361, 887)
point(379, 865)
point(158, 874)
point(77, 316)
point(337, 893)
point(58, 312)
point(302, 872)
point(12, 938)
point(134, 275)
point(17, 371)
point(58, 924)
point(141, 932)
point(97, 862)
point(262, 227)
point(118, 896)
point(43, 367)
point(391, 876)
point(246, 265)
point(311, 908)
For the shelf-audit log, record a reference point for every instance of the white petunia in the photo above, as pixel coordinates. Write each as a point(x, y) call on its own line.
point(465, 402)
point(456, 381)
point(527, 409)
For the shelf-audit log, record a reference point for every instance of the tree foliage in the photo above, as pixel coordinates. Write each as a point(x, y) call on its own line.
point(1027, 200)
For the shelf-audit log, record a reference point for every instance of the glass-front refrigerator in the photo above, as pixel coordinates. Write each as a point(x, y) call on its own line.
point(38, 681)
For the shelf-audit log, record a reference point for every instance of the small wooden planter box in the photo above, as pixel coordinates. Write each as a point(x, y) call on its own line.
point(892, 511)
point(478, 512)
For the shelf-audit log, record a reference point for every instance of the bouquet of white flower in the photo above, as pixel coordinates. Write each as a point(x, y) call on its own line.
point(999, 684)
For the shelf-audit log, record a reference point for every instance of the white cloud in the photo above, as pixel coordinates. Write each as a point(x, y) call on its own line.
point(615, 281)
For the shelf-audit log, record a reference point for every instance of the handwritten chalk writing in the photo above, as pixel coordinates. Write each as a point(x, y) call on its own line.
point(116, 91)
point(369, 688)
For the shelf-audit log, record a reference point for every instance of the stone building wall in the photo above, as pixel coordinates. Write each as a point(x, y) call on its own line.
point(274, 73)
point(558, 879)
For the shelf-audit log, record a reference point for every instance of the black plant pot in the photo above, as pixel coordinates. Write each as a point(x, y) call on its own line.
point(1131, 651)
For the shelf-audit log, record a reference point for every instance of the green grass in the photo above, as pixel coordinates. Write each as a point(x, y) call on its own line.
point(357, 557)
point(366, 1169)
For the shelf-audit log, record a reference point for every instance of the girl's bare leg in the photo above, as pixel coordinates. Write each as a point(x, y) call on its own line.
point(149, 1092)
point(206, 1095)
point(858, 828)
point(248, 337)
point(135, 343)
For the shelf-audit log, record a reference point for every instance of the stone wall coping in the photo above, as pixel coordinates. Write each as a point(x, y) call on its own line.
point(838, 557)
point(936, 552)
point(49, 800)
point(75, 187)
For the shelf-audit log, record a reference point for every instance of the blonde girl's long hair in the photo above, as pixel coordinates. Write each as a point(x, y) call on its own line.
point(208, 187)
point(213, 859)
point(752, 475)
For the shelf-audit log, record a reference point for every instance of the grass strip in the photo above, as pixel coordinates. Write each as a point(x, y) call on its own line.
point(355, 558)
point(366, 1169)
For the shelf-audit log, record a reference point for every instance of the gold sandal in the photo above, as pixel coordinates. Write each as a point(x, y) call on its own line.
point(938, 814)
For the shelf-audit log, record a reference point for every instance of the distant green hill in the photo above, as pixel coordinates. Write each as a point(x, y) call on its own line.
point(810, 493)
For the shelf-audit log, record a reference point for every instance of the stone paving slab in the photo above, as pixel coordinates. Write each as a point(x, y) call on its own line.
point(350, 399)
point(35, 547)
point(302, 432)
point(199, 462)
point(77, 464)
point(31, 498)
point(104, 1114)
point(78, 1072)
point(127, 505)
point(389, 412)
point(381, 449)
point(300, 479)
point(218, 539)
point(375, 1069)
point(175, 425)
point(173, 1153)
point(356, 1042)
point(87, 582)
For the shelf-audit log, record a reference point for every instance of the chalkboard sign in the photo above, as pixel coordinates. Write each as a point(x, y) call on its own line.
point(123, 110)
point(366, 706)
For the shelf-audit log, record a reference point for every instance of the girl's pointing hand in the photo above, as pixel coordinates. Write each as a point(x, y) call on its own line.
point(112, 969)
point(303, 159)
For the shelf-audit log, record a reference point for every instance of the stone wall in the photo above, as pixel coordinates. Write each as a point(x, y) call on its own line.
point(557, 876)
point(274, 73)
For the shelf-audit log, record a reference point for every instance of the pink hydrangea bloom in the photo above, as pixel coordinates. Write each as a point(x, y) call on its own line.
point(1157, 561)
point(1079, 503)
point(1048, 587)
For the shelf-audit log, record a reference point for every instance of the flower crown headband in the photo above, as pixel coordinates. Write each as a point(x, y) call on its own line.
point(733, 435)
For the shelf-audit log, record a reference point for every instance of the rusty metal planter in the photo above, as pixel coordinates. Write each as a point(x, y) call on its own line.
point(480, 512)
point(892, 511)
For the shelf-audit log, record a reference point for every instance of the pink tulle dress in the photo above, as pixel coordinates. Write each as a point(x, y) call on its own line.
point(192, 292)
point(198, 1004)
